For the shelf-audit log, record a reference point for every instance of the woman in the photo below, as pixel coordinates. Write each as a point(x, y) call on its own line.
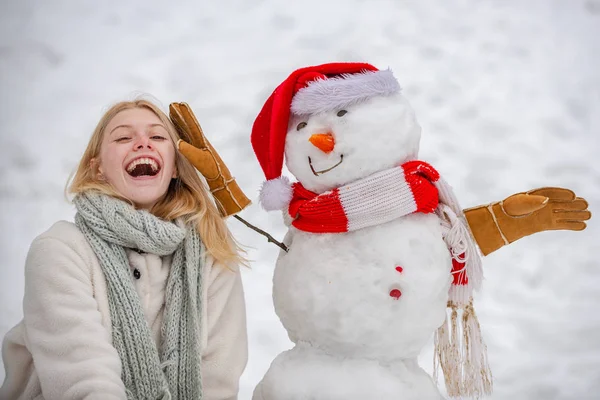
point(140, 298)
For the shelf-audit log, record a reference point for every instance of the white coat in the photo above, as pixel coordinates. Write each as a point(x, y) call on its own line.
point(62, 348)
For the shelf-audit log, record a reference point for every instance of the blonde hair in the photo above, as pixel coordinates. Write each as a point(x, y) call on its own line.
point(187, 197)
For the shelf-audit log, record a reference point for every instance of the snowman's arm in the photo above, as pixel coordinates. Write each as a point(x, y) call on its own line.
point(498, 224)
point(196, 148)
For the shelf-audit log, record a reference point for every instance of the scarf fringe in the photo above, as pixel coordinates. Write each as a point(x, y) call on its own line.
point(459, 239)
point(462, 355)
point(459, 347)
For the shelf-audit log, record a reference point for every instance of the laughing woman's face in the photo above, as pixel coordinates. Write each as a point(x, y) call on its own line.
point(137, 156)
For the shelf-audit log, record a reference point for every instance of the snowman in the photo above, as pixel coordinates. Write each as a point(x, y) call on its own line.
point(377, 247)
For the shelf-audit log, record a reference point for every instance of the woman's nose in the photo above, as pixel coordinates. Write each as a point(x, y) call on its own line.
point(142, 142)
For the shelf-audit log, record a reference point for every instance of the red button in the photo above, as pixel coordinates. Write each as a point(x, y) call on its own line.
point(395, 293)
point(399, 269)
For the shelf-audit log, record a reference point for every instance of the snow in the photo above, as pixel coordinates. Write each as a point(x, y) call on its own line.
point(507, 92)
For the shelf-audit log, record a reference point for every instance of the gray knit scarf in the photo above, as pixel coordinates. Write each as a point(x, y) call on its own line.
point(110, 226)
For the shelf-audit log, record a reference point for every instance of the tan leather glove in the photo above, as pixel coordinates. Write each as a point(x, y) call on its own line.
point(522, 214)
point(204, 157)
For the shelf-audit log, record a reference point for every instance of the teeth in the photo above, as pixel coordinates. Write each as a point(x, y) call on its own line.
point(143, 160)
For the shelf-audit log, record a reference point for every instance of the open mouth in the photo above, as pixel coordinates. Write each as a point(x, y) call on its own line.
point(143, 166)
point(317, 173)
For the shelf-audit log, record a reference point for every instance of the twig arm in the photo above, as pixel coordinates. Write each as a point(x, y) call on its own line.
point(268, 236)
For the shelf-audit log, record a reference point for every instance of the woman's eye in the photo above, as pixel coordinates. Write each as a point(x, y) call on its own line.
point(341, 113)
point(301, 125)
point(122, 139)
point(158, 137)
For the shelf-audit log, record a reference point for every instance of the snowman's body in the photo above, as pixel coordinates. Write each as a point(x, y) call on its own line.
point(359, 305)
point(353, 339)
point(333, 290)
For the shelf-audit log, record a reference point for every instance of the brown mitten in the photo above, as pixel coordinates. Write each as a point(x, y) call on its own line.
point(204, 157)
point(523, 214)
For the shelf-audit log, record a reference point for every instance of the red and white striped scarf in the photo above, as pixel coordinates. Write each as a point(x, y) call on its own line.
point(379, 198)
point(414, 186)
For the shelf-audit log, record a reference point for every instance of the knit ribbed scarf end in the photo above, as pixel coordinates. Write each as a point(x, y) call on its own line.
point(110, 226)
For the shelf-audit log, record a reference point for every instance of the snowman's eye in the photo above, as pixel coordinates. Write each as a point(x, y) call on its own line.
point(341, 113)
point(301, 125)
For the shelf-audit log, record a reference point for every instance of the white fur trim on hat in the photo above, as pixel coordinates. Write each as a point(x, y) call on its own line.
point(276, 194)
point(338, 92)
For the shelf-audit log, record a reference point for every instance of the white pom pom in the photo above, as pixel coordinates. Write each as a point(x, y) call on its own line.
point(276, 194)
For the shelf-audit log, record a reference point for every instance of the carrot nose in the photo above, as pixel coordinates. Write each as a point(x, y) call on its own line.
point(323, 141)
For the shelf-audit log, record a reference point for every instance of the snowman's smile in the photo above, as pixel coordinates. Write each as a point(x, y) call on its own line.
point(321, 172)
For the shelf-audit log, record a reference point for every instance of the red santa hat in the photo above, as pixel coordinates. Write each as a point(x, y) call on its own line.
point(309, 90)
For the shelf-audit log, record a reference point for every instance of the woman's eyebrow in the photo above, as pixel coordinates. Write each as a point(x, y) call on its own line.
point(120, 126)
point(155, 125)
point(130, 127)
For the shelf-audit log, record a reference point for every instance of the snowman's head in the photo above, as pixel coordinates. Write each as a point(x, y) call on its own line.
point(335, 146)
point(335, 123)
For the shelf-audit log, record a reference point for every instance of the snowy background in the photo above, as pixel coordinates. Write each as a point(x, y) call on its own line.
point(508, 93)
